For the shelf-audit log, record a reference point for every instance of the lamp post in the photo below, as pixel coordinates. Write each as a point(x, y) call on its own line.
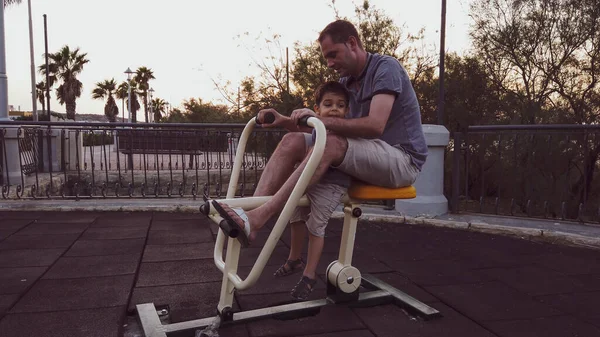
point(151, 91)
point(440, 112)
point(129, 74)
point(33, 88)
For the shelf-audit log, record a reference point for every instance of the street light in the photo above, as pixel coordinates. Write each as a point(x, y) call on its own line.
point(129, 74)
point(440, 112)
point(151, 91)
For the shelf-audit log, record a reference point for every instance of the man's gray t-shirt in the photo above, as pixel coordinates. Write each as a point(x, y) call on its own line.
point(384, 74)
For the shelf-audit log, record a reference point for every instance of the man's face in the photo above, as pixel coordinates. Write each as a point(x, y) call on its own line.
point(339, 56)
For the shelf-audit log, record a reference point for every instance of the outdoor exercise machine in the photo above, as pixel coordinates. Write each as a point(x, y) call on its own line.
point(344, 281)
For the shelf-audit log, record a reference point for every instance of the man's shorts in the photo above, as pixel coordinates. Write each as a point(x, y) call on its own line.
point(324, 198)
point(378, 163)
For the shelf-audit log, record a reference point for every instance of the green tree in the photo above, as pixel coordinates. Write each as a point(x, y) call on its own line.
point(40, 94)
point(540, 56)
point(65, 65)
point(159, 107)
point(198, 111)
point(271, 88)
point(175, 116)
point(135, 103)
point(143, 75)
point(121, 93)
point(543, 55)
point(11, 2)
point(103, 90)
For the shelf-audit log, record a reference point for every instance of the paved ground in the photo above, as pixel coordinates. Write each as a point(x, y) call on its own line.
point(81, 274)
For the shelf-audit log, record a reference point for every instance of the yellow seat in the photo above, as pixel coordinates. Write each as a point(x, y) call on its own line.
point(363, 191)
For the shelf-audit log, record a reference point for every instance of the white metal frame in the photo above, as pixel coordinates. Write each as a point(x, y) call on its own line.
point(343, 279)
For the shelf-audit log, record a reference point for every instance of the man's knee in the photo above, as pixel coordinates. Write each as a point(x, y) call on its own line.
point(293, 143)
point(335, 149)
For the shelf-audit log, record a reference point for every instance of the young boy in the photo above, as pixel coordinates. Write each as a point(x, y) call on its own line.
point(331, 100)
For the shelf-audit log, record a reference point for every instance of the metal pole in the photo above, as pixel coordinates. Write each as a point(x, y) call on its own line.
point(129, 99)
point(31, 53)
point(440, 112)
point(3, 77)
point(47, 68)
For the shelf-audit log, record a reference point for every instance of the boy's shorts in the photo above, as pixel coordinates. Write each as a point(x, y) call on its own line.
point(324, 198)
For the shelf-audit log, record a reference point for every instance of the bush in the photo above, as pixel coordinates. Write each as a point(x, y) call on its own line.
point(96, 139)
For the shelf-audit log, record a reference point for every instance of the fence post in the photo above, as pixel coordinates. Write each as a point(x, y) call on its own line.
point(456, 171)
point(430, 200)
point(11, 166)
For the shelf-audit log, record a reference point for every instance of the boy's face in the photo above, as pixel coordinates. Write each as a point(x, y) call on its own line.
point(332, 105)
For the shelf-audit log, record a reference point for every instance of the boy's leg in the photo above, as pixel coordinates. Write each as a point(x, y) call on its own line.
point(294, 261)
point(324, 198)
point(315, 249)
point(298, 231)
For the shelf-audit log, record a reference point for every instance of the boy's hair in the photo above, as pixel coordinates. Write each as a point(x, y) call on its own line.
point(331, 87)
point(340, 31)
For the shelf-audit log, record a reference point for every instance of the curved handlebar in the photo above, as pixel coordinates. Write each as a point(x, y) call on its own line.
point(269, 118)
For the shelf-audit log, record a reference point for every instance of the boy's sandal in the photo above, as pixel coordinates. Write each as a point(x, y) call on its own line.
point(303, 288)
point(290, 267)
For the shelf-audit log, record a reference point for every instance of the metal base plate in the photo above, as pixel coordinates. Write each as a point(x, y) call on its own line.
point(153, 327)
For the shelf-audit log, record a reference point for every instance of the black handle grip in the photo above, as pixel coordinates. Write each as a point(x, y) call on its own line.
point(269, 118)
point(303, 121)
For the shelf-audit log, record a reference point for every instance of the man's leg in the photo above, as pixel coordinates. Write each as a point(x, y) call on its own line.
point(376, 162)
point(334, 153)
point(287, 154)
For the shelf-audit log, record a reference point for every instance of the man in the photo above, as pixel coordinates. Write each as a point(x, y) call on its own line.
point(381, 142)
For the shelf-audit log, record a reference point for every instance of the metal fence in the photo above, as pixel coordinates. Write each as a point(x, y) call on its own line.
point(540, 171)
point(112, 160)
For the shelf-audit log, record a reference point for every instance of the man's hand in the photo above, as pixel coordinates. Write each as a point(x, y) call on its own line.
point(299, 113)
point(279, 119)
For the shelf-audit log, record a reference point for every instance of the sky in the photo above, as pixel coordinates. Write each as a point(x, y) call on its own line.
point(189, 43)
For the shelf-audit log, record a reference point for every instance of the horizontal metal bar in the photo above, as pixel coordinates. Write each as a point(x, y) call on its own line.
point(404, 299)
point(269, 312)
point(130, 125)
point(148, 319)
point(533, 127)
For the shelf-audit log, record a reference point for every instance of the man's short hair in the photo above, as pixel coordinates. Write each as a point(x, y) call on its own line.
point(331, 87)
point(340, 31)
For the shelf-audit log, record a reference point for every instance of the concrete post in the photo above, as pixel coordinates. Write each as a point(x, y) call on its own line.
point(430, 200)
point(74, 149)
point(12, 168)
point(52, 136)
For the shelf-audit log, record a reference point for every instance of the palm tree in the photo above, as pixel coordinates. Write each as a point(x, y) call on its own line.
point(143, 75)
point(107, 89)
point(65, 65)
point(159, 106)
point(10, 2)
point(121, 94)
point(135, 102)
point(40, 93)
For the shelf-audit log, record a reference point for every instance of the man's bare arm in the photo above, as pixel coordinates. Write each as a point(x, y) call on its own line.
point(371, 126)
